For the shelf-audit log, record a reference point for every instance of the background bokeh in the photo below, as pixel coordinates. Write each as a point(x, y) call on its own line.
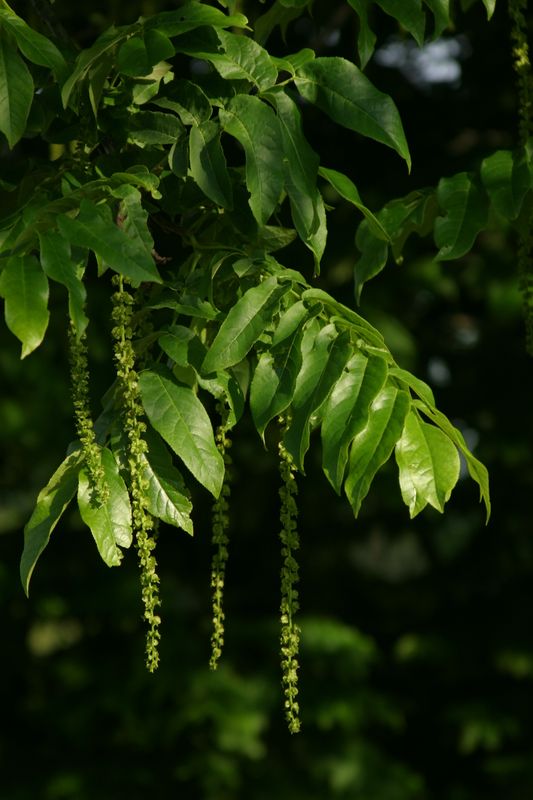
point(417, 636)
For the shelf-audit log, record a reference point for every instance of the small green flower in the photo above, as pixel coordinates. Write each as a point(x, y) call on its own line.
point(290, 632)
point(79, 381)
point(220, 544)
point(134, 429)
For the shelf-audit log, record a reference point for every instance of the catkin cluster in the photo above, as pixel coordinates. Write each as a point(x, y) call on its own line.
point(134, 429)
point(524, 79)
point(290, 632)
point(220, 523)
point(79, 378)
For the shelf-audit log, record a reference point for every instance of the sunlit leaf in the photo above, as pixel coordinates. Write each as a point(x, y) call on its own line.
point(429, 465)
point(372, 447)
point(346, 412)
point(109, 522)
point(51, 503)
point(245, 322)
point(180, 418)
point(167, 497)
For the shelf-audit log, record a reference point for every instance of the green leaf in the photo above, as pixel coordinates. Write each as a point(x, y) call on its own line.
point(410, 16)
point(346, 412)
point(154, 127)
point(373, 258)
point(429, 465)
point(322, 367)
point(506, 178)
point(274, 380)
point(465, 207)
point(158, 46)
point(208, 164)
point(193, 15)
point(256, 127)
point(366, 38)
point(134, 218)
point(57, 263)
point(132, 58)
point(89, 61)
point(477, 470)
point(245, 322)
point(16, 91)
point(24, 286)
point(187, 100)
point(244, 58)
point(340, 89)
point(51, 503)
point(277, 14)
point(301, 168)
point(36, 47)
point(95, 229)
point(414, 213)
point(167, 497)
point(347, 189)
point(490, 5)
point(110, 523)
point(372, 447)
point(180, 418)
point(360, 325)
point(441, 12)
point(418, 386)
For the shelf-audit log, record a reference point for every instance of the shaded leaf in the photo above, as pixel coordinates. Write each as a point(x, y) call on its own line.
point(429, 465)
point(51, 503)
point(441, 12)
point(190, 16)
point(410, 16)
point(110, 522)
point(187, 100)
point(366, 38)
point(245, 322)
point(340, 89)
point(465, 207)
point(154, 127)
point(32, 44)
point(57, 263)
point(24, 287)
point(180, 418)
point(208, 164)
point(347, 189)
point(372, 447)
point(16, 91)
point(373, 258)
point(256, 127)
point(346, 412)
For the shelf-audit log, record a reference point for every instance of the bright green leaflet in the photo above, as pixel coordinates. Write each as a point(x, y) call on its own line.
point(245, 322)
point(429, 465)
point(373, 446)
point(346, 412)
point(466, 209)
point(166, 495)
point(51, 503)
point(110, 522)
point(95, 229)
point(178, 415)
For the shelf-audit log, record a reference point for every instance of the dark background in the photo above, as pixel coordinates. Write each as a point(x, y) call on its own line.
point(417, 636)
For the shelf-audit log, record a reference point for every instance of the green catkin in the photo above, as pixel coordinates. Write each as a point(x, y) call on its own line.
point(220, 523)
point(290, 632)
point(79, 379)
point(134, 429)
point(524, 79)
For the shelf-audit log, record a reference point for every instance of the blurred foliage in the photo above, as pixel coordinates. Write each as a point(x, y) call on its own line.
point(417, 654)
